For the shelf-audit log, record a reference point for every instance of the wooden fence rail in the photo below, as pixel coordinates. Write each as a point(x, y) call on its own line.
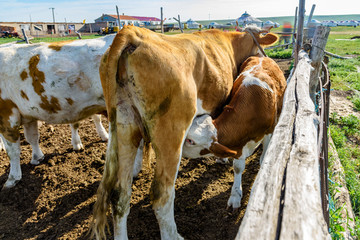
point(285, 201)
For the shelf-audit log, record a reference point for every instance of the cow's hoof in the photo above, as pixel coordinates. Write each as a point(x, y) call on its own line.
point(10, 183)
point(37, 160)
point(222, 160)
point(78, 147)
point(179, 237)
point(235, 199)
point(104, 137)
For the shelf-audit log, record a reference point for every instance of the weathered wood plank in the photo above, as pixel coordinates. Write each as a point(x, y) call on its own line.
point(302, 213)
point(317, 54)
point(261, 217)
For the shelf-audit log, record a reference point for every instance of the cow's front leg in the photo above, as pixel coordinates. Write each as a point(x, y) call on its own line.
point(239, 167)
point(236, 190)
point(75, 138)
point(32, 136)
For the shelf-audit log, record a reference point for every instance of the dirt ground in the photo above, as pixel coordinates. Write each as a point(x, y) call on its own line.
point(54, 200)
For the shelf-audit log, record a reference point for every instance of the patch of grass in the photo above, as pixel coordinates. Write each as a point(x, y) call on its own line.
point(345, 73)
point(279, 53)
point(8, 40)
point(342, 44)
point(50, 39)
point(342, 129)
point(356, 101)
point(350, 125)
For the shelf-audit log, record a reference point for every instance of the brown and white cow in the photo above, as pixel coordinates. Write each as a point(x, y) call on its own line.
point(247, 121)
point(52, 82)
point(154, 85)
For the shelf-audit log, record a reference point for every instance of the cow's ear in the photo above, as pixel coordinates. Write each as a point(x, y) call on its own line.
point(220, 150)
point(269, 39)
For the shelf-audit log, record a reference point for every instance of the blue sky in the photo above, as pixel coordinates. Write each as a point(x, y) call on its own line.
point(78, 10)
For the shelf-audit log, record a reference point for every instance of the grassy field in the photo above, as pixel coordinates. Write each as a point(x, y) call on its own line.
point(49, 39)
point(345, 130)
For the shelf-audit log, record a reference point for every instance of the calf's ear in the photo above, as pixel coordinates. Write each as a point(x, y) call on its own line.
point(220, 150)
point(268, 39)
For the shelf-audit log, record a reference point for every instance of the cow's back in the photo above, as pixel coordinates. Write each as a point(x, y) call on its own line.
point(56, 82)
point(160, 65)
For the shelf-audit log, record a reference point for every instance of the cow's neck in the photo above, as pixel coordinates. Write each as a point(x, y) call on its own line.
point(244, 47)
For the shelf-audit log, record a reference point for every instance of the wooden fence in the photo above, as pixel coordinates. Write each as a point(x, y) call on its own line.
point(286, 200)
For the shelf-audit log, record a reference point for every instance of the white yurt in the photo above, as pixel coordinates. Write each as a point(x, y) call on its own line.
point(329, 23)
point(192, 24)
point(268, 24)
point(246, 19)
point(313, 23)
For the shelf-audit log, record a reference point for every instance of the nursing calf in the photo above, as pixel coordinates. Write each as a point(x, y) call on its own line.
point(247, 121)
point(52, 82)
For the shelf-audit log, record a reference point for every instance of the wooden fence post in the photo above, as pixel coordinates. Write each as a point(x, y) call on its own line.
point(25, 37)
point(117, 11)
point(311, 15)
point(293, 35)
point(162, 21)
point(300, 30)
point(178, 20)
point(317, 55)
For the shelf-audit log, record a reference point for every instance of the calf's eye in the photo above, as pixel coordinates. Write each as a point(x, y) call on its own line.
point(189, 141)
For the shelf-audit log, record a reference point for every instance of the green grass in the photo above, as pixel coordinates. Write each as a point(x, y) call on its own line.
point(345, 74)
point(356, 101)
point(342, 130)
point(49, 39)
point(279, 53)
point(345, 131)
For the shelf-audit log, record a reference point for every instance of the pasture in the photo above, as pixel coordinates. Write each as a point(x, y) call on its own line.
point(55, 199)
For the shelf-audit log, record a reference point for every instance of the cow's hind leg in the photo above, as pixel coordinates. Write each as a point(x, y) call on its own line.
point(265, 143)
point(32, 136)
point(13, 152)
point(115, 187)
point(75, 138)
point(239, 167)
point(99, 127)
point(2, 146)
point(167, 137)
point(9, 127)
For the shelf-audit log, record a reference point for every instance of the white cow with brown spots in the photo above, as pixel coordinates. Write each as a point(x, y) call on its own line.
point(247, 121)
point(154, 85)
point(53, 82)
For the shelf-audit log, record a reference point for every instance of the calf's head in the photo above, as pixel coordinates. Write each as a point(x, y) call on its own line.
point(201, 140)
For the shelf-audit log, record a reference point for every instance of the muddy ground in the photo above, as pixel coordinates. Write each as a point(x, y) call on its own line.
point(54, 200)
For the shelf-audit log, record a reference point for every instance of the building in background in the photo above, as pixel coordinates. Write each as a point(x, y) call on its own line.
point(40, 29)
point(112, 20)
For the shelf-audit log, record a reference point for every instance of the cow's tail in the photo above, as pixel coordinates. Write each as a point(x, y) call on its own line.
point(109, 72)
